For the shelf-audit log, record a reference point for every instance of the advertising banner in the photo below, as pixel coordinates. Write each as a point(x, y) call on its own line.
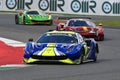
point(83, 7)
point(0, 4)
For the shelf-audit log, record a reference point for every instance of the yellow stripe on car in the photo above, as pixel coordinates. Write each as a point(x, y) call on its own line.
point(67, 61)
point(86, 52)
point(30, 60)
point(49, 51)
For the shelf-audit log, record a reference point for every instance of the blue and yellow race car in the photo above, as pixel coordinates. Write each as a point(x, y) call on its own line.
point(61, 46)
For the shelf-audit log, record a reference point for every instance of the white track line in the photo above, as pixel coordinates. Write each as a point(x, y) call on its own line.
point(15, 65)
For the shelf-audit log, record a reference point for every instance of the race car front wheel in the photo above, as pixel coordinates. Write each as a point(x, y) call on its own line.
point(50, 22)
point(82, 56)
point(96, 53)
point(95, 58)
point(102, 38)
point(24, 20)
point(81, 59)
point(16, 20)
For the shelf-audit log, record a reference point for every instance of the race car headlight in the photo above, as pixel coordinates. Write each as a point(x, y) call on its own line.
point(49, 17)
point(70, 49)
point(29, 17)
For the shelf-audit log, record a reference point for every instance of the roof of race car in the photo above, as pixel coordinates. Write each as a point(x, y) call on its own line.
point(61, 32)
point(31, 10)
point(79, 19)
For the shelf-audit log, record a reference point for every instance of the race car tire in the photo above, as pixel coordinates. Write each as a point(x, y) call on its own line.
point(57, 29)
point(95, 58)
point(102, 38)
point(97, 48)
point(16, 19)
point(82, 56)
point(96, 53)
point(24, 20)
point(51, 23)
point(81, 60)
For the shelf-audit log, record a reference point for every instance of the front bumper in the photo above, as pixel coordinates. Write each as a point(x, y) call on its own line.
point(65, 60)
point(39, 22)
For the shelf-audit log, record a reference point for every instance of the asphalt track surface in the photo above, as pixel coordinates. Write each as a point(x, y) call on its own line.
point(106, 68)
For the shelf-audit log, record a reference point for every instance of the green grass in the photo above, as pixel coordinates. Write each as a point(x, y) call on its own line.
point(111, 23)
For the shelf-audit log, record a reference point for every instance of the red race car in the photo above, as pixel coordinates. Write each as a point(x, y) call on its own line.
point(85, 27)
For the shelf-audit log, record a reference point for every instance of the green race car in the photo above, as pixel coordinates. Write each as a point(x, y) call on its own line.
point(33, 17)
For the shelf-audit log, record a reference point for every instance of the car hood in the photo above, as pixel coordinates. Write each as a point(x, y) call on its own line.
point(53, 49)
point(39, 17)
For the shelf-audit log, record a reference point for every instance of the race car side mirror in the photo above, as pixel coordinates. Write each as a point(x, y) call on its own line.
point(30, 40)
point(21, 13)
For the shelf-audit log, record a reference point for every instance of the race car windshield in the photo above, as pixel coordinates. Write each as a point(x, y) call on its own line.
point(57, 39)
point(77, 23)
point(32, 12)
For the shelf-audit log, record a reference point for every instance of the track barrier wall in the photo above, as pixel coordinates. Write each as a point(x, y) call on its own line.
point(82, 7)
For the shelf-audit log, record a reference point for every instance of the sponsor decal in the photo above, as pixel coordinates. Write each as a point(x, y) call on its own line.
point(43, 4)
point(0, 3)
point(52, 5)
point(91, 7)
point(11, 4)
point(108, 7)
point(20, 4)
point(84, 6)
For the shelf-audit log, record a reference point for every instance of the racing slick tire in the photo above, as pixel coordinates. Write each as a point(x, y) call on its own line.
point(82, 56)
point(80, 61)
point(95, 58)
point(24, 20)
point(102, 38)
point(16, 19)
point(96, 53)
point(51, 22)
